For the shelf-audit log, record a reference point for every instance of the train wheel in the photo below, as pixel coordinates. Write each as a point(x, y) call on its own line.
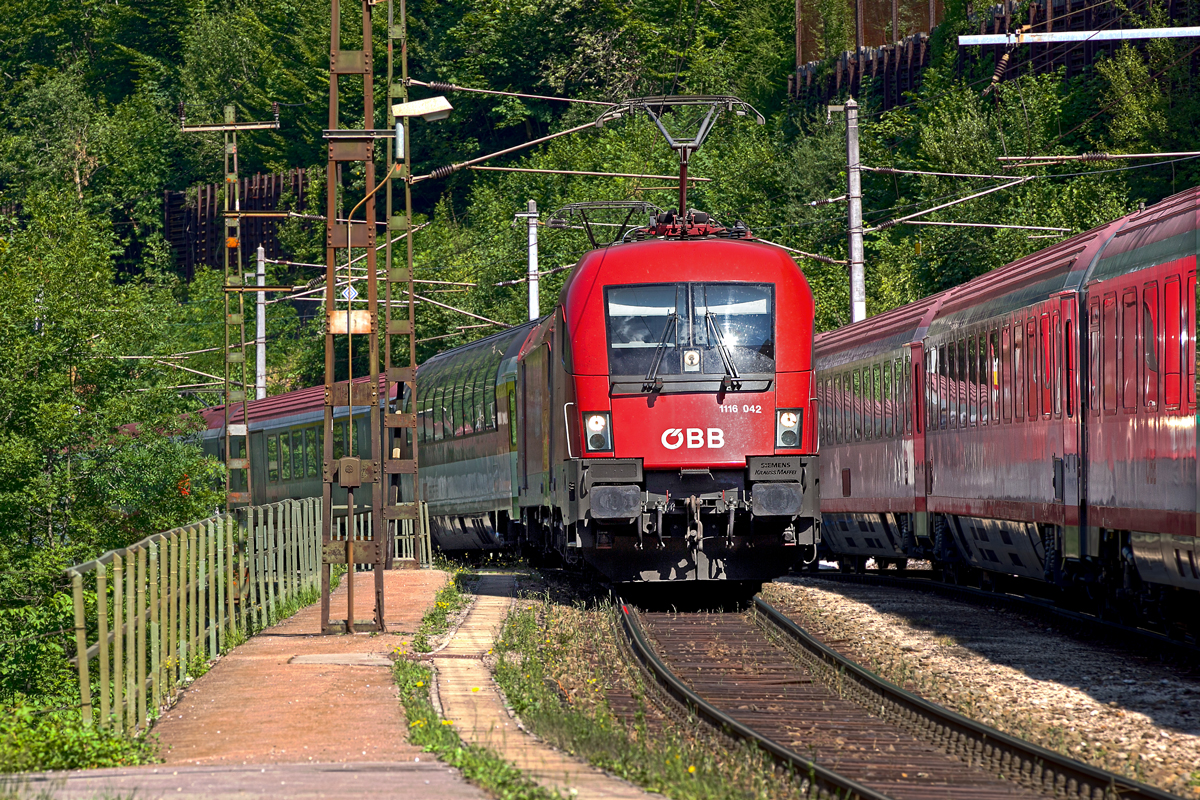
point(854, 565)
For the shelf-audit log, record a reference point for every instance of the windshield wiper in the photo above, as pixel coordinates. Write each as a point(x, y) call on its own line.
point(731, 372)
point(653, 382)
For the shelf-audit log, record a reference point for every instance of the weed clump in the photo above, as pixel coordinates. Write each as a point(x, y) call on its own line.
point(437, 736)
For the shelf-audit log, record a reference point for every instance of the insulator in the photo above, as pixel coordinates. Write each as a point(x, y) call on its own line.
point(438, 86)
point(883, 226)
point(442, 172)
point(1096, 157)
point(1001, 67)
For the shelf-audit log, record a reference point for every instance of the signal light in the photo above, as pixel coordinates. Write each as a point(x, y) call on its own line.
point(788, 422)
point(599, 431)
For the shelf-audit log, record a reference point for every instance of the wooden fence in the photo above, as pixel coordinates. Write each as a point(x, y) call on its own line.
point(171, 602)
point(163, 607)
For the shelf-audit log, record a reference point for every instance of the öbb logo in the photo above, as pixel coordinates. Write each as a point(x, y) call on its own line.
point(674, 438)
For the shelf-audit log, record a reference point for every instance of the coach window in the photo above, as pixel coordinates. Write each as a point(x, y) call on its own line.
point(285, 457)
point(993, 373)
point(875, 393)
point(856, 404)
point(909, 393)
point(937, 389)
point(490, 394)
point(1056, 364)
point(1129, 350)
point(889, 402)
point(928, 372)
point(1189, 327)
point(1172, 349)
point(847, 404)
point(972, 381)
point(839, 409)
point(1094, 353)
point(1070, 354)
point(272, 458)
point(433, 425)
point(460, 401)
point(953, 392)
point(1018, 362)
point(438, 412)
point(1150, 346)
point(1110, 353)
point(1031, 370)
point(312, 451)
point(855, 407)
point(448, 429)
point(1006, 376)
point(1047, 376)
point(297, 454)
point(865, 404)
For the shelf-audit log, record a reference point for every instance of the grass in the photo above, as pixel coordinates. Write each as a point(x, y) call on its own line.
point(556, 666)
point(449, 600)
point(33, 740)
point(435, 735)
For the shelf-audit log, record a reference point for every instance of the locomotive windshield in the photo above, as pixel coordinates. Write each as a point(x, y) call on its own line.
point(691, 329)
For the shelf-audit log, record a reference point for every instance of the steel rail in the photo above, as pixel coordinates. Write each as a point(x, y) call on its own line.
point(1030, 764)
point(827, 782)
point(1114, 632)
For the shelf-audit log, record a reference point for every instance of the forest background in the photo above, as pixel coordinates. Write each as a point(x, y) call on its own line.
point(96, 446)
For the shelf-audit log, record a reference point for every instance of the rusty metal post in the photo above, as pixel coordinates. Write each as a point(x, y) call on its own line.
point(400, 332)
point(237, 415)
point(354, 469)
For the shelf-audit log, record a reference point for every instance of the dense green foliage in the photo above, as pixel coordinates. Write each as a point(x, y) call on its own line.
point(94, 445)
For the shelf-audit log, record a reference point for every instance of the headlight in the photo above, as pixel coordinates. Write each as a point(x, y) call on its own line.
point(691, 360)
point(788, 423)
point(599, 431)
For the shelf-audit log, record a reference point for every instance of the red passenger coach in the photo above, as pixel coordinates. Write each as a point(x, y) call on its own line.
point(1037, 421)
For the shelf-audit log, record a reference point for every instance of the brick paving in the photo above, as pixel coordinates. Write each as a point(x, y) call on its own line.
point(292, 713)
point(471, 699)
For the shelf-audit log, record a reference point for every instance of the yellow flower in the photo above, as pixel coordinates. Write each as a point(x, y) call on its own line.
point(420, 683)
point(447, 722)
point(692, 769)
point(474, 688)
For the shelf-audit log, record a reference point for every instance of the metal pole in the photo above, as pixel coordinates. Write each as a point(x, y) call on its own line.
point(531, 218)
point(260, 331)
point(858, 286)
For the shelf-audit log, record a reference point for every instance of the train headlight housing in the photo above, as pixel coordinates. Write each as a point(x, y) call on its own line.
point(788, 422)
point(598, 435)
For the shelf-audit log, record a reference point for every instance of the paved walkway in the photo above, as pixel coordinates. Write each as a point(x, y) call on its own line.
point(470, 698)
point(317, 715)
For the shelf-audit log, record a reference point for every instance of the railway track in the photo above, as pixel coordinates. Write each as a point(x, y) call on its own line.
point(758, 677)
point(1145, 642)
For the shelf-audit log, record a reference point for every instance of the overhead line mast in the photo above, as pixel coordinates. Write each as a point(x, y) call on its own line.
point(237, 434)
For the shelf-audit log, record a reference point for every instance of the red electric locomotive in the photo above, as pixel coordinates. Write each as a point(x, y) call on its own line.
point(1037, 421)
point(659, 421)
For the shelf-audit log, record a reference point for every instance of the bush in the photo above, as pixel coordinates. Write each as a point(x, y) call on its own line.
point(35, 740)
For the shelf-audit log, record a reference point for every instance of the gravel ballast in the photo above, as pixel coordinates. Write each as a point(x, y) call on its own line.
point(1130, 715)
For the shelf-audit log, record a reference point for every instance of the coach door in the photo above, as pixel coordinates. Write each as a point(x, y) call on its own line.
point(1064, 324)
